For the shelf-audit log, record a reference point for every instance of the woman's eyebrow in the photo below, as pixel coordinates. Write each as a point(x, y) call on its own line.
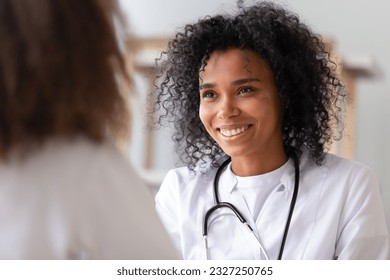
point(235, 83)
point(246, 80)
point(206, 85)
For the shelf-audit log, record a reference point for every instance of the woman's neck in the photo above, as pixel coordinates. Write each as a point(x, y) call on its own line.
point(256, 165)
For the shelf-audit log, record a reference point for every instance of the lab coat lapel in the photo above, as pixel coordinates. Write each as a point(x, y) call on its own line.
point(272, 218)
point(228, 182)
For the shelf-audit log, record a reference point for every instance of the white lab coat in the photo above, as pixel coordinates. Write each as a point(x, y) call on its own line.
point(77, 200)
point(338, 214)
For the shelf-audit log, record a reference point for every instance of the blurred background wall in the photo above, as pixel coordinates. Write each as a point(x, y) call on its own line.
point(359, 32)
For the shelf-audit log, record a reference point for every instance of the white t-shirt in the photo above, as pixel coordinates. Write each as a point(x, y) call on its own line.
point(256, 189)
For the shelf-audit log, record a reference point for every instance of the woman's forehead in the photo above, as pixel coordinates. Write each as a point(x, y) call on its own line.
point(233, 60)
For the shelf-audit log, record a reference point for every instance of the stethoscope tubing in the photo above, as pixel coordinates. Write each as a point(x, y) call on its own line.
point(219, 204)
point(292, 206)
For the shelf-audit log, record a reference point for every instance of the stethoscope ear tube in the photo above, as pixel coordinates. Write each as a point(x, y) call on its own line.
point(216, 179)
point(292, 205)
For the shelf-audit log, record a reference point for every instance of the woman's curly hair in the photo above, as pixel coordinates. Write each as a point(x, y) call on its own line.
point(309, 86)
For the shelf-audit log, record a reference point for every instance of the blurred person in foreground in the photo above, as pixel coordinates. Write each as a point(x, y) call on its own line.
point(66, 191)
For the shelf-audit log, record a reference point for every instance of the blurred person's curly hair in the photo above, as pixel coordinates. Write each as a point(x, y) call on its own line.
point(312, 95)
point(59, 69)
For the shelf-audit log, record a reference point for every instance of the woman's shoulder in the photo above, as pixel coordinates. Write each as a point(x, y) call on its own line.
point(339, 170)
point(83, 162)
point(336, 162)
point(331, 162)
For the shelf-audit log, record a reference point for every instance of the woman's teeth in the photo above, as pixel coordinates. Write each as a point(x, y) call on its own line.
point(234, 131)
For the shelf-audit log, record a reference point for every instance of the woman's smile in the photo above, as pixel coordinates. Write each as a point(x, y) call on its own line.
point(240, 106)
point(233, 131)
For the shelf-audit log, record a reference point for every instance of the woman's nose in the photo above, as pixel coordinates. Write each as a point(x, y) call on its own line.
point(227, 108)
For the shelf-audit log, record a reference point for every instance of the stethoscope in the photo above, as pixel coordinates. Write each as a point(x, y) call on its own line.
point(221, 204)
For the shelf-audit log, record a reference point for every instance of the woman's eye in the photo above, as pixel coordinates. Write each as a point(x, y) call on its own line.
point(208, 94)
point(245, 90)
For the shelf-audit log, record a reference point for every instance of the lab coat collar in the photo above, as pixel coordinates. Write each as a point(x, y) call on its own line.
point(287, 179)
point(229, 179)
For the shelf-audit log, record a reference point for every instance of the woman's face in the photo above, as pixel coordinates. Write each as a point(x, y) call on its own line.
point(240, 106)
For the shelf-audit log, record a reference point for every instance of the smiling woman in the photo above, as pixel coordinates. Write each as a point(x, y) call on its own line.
point(256, 101)
point(240, 109)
